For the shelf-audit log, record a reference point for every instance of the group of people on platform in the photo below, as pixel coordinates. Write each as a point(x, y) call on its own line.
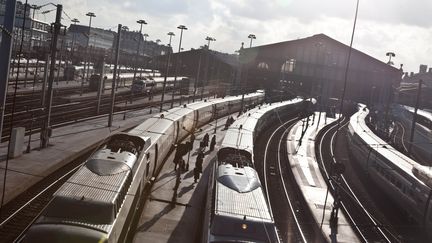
point(229, 122)
point(183, 149)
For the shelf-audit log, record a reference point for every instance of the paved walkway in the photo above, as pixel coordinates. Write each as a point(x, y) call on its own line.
point(163, 222)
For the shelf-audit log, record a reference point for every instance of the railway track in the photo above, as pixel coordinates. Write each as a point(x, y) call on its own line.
point(18, 214)
point(293, 218)
point(368, 227)
point(67, 113)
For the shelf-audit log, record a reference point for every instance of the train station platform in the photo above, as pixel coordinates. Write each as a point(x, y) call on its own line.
point(165, 221)
point(306, 170)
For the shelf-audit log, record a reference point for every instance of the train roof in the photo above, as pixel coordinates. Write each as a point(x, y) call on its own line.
point(425, 114)
point(239, 194)
point(240, 135)
point(155, 126)
point(398, 159)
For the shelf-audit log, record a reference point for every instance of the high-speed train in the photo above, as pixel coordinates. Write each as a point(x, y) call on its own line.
point(403, 179)
point(146, 85)
point(98, 202)
point(422, 139)
point(236, 208)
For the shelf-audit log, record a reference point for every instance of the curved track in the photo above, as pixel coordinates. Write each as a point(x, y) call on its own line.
point(291, 214)
point(369, 228)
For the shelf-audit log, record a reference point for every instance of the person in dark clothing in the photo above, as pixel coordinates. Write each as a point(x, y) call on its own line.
point(192, 138)
point(227, 123)
point(213, 143)
point(206, 139)
point(198, 166)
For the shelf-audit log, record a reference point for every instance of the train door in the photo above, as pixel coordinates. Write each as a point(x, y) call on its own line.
point(177, 130)
point(214, 111)
point(156, 159)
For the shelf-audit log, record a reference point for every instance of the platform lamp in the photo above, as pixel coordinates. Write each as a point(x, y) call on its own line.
point(91, 15)
point(171, 34)
point(251, 37)
point(390, 55)
point(181, 28)
point(141, 22)
point(209, 39)
point(75, 21)
point(206, 76)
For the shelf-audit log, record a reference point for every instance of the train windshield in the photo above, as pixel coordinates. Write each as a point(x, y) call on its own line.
point(235, 157)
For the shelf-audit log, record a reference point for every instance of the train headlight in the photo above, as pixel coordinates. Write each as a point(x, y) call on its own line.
point(244, 226)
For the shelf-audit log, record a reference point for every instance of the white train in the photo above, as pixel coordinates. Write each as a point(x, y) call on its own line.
point(422, 142)
point(98, 202)
point(146, 85)
point(237, 209)
point(403, 179)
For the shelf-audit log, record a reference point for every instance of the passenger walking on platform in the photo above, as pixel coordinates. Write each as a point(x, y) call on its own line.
point(231, 120)
point(192, 138)
point(227, 123)
point(206, 139)
point(198, 166)
point(213, 143)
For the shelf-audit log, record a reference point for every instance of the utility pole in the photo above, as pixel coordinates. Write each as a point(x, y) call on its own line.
point(171, 34)
point(6, 50)
point(117, 49)
point(45, 132)
point(415, 117)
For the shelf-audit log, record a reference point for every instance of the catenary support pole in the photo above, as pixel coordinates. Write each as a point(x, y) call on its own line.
point(48, 102)
point(113, 85)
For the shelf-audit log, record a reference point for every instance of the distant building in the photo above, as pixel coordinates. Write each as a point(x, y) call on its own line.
point(81, 35)
point(423, 68)
point(407, 92)
point(36, 32)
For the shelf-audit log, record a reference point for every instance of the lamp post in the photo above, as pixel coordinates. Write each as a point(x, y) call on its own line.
point(251, 37)
point(208, 39)
point(75, 21)
point(181, 27)
point(171, 34)
point(153, 56)
point(390, 55)
point(140, 22)
point(91, 15)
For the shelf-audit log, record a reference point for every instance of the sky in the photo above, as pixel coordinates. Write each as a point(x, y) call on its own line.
point(400, 26)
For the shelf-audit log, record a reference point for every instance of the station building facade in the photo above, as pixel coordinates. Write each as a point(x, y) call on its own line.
point(315, 66)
